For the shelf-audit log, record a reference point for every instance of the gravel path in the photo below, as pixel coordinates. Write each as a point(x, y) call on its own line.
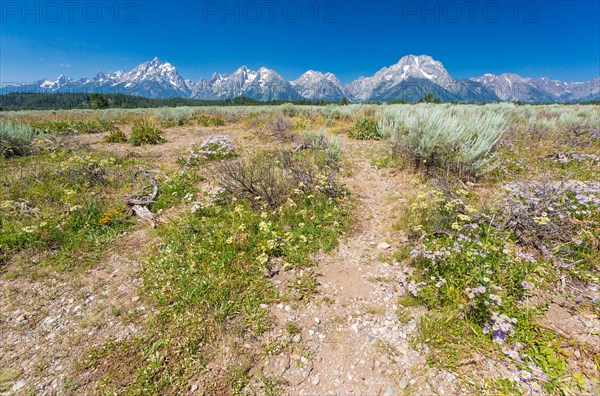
point(353, 338)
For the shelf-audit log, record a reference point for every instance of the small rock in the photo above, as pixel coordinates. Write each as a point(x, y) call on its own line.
point(297, 338)
point(384, 246)
point(18, 386)
point(135, 299)
point(194, 388)
point(317, 320)
point(264, 306)
point(315, 380)
point(384, 359)
point(389, 391)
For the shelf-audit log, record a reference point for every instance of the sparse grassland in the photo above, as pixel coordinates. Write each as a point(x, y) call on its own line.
point(493, 257)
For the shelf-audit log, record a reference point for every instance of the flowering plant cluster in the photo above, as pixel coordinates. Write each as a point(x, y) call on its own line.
point(216, 147)
point(553, 211)
point(529, 374)
point(472, 265)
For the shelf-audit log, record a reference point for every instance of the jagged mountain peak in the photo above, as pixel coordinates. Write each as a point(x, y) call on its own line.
point(395, 78)
point(315, 85)
point(261, 84)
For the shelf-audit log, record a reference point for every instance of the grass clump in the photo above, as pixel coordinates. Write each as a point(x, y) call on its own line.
point(328, 148)
point(206, 120)
point(16, 139)
point(145, 131)
point(117, 136)
point(365, 129)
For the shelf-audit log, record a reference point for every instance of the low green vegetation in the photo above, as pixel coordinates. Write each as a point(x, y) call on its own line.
point(117, 136)
point(476, 267)
point(365, 129)
point(16, 138)
point(207, 279)
point(69, 126)
point(61, 207)
point(145, 131)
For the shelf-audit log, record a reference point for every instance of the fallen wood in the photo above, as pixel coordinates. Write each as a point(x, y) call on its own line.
point(139, 203)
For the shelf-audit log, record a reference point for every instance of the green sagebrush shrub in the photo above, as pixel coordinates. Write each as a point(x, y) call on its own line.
point(460, 139)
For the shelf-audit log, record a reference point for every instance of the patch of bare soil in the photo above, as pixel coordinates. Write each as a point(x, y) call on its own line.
point(178, 140)
point(48, 324)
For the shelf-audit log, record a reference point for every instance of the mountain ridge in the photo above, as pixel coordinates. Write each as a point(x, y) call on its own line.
point(411, 78)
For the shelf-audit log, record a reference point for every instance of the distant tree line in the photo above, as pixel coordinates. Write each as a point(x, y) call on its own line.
point(67, 101)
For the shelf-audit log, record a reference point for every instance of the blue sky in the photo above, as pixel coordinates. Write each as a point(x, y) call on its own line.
point(557, 39)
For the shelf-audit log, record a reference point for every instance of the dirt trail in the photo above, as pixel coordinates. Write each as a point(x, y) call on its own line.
point(353, 339)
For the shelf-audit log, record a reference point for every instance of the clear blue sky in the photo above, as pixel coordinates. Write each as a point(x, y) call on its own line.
point(557, 39)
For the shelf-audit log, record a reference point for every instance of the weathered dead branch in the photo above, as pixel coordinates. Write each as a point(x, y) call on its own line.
point(140, 202)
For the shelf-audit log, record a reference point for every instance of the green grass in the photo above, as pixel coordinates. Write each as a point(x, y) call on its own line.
point(176, 189)
point(65, 206)
point(68, 126)
point(117, 136)
point(458, 253)
point(208, 120)
point(145, 131)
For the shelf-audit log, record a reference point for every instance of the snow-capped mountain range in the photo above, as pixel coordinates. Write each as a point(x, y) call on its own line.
point(409, 79)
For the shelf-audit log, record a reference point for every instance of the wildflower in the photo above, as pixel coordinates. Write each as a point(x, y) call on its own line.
point(514, 355)
point(525, 375)
point(463, 217)
point(535, 387)
point(526, 285)
point(263, 258)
